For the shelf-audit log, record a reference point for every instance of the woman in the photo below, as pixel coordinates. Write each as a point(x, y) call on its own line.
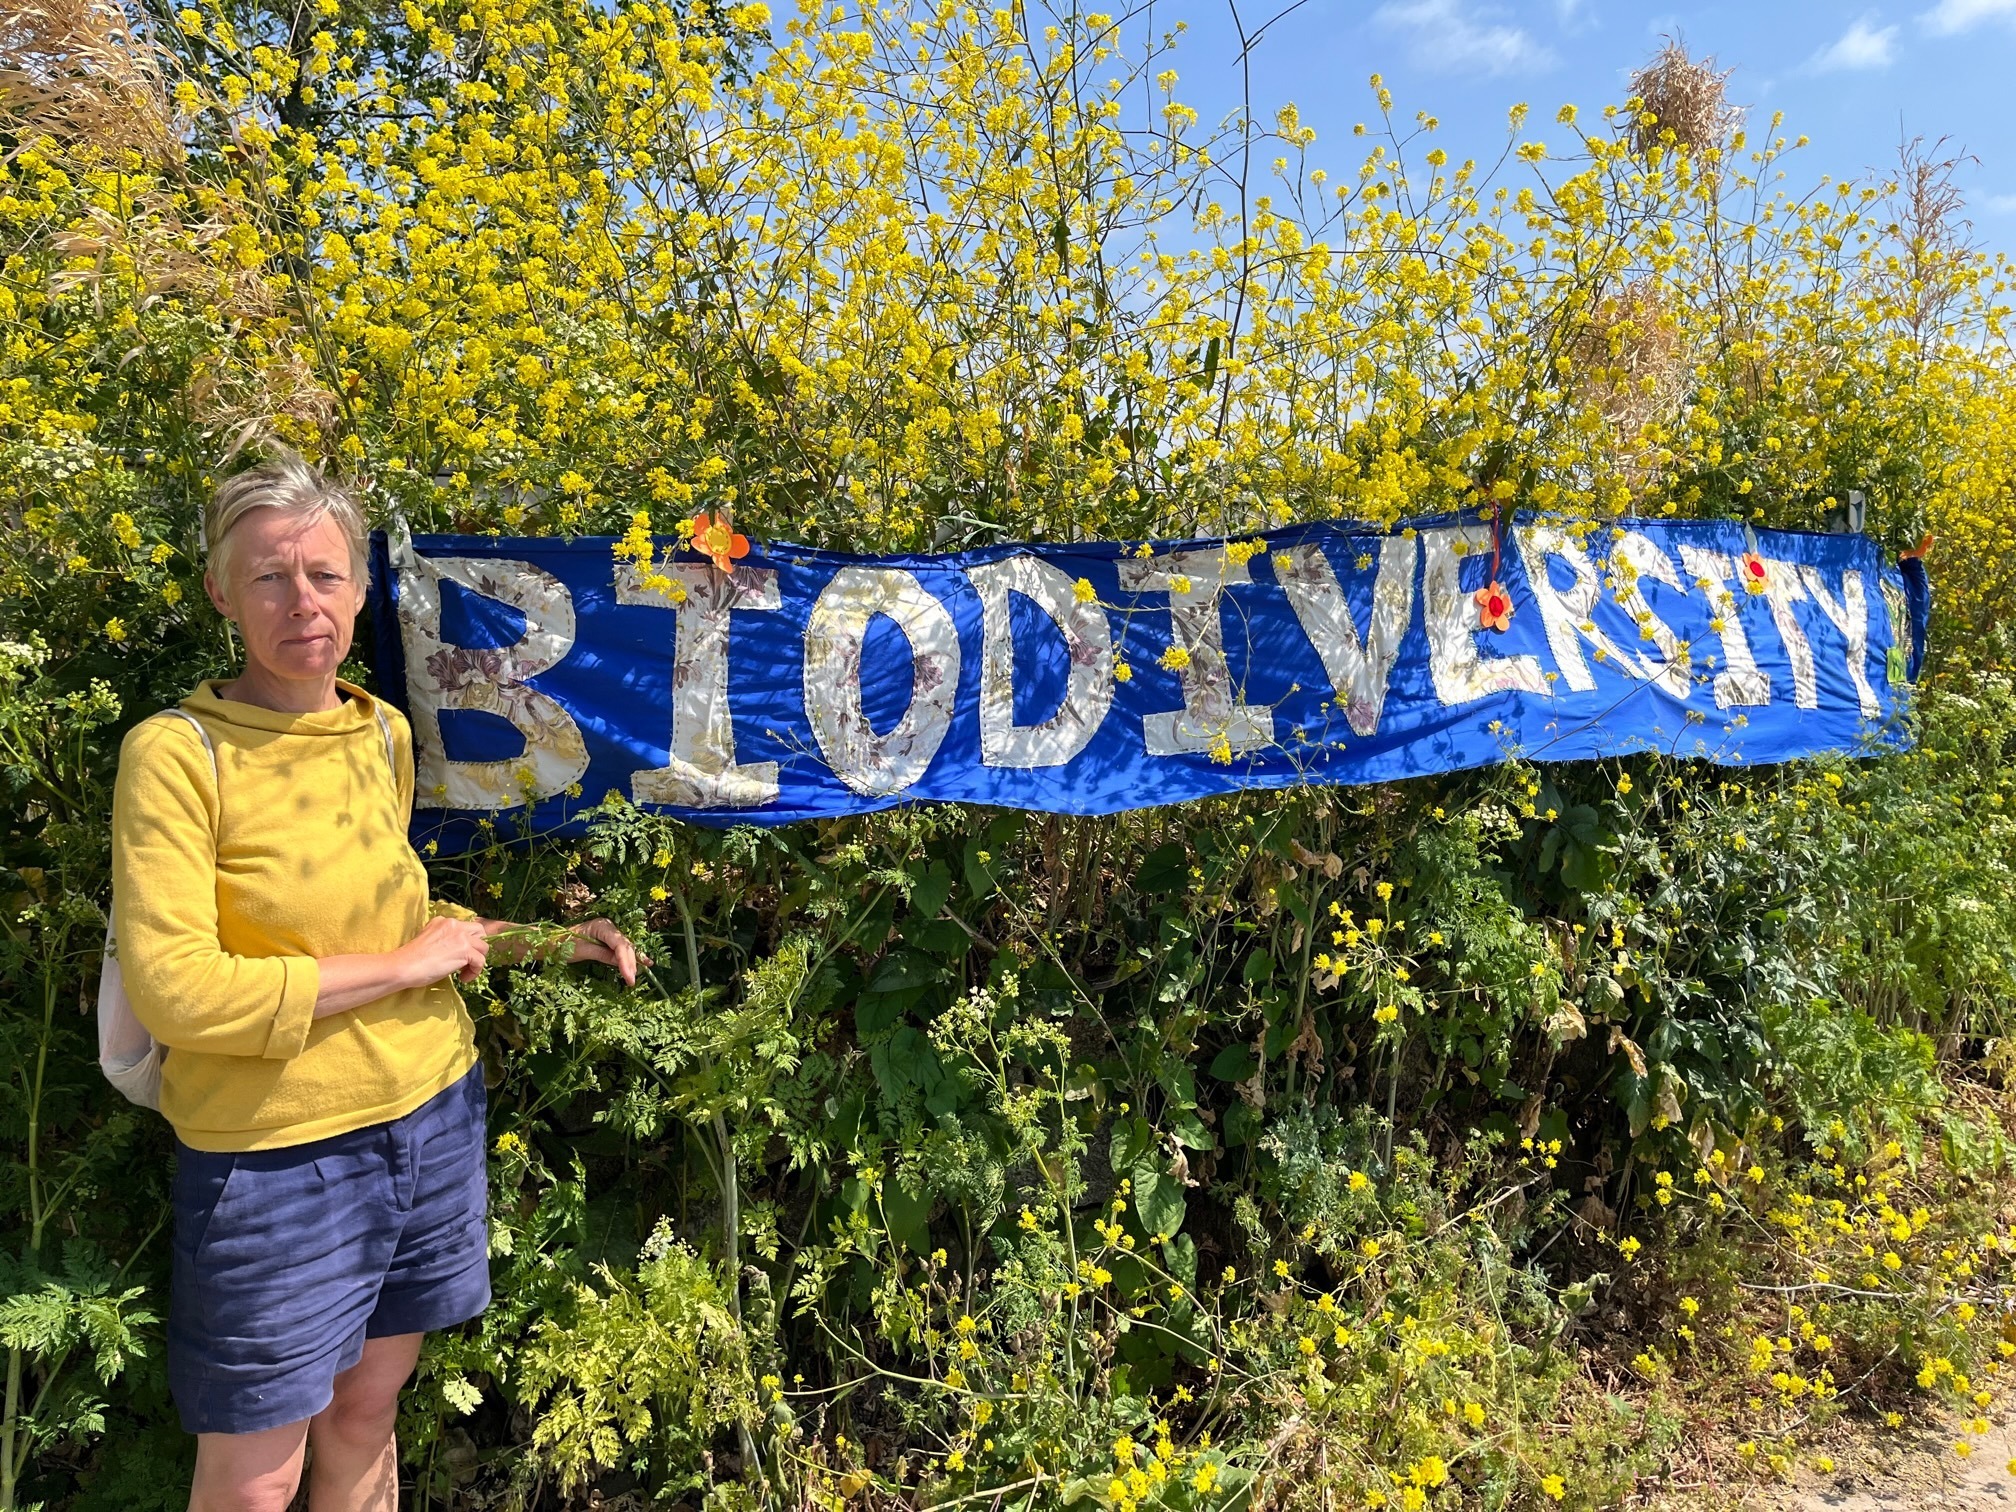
point(277, 937)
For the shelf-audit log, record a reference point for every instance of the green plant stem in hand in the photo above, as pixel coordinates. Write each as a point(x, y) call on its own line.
point(534, 942)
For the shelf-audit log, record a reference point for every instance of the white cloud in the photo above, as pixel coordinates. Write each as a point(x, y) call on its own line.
point(1862, 46)
point(2001, 204)
point(1577, 17)
point(1450, 36)
point(1951, 17)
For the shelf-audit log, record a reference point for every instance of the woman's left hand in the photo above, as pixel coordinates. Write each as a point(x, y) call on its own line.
point(599, 940)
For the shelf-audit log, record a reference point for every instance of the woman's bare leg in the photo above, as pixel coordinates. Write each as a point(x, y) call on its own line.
point(247, 1472)
point(355, 1464)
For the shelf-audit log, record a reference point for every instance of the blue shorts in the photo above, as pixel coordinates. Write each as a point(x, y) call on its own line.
point(287, 1260)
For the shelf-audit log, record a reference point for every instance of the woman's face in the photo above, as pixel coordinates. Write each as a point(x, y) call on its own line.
point(291, 592)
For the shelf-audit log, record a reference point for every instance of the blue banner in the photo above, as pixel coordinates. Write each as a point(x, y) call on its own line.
point(1089, 678)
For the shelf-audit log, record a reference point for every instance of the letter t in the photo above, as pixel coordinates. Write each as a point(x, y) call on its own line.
point(703, 771)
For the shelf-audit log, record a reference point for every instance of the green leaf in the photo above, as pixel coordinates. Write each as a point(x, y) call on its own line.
point(1188, 1130)
point(1158, 1196)
point(1235, 1063)
point(461, 1394)
point(1181, 1259)
point(985, 854)
point(902, 969)
point(1164, 869)
point(905, 1061)
point(1243, 1123)
point(907, 1217)
point(1132, 1140)
point(942, 938)
point(877, 1012)
point(928, 895)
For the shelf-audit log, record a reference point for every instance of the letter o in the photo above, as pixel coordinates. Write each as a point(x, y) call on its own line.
point(877, 766)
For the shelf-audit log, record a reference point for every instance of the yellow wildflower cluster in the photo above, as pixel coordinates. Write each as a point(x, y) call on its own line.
point(1876, 1260)
point(817, 273)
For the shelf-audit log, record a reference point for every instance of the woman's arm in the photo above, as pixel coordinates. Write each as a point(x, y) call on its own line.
point(444, 948)
point(594, 940)
point(186, 989)
point(461, 948)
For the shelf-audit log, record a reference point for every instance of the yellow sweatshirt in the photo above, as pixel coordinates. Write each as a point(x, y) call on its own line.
point(225, 892)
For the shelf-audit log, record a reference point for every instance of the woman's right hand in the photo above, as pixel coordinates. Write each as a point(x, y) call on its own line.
point(445, 948)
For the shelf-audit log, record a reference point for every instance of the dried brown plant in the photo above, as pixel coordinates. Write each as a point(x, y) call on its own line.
point(1934, 239)
point(74, 71)
point(78, 78)
point(1686, 96)
point(244, 396)
point(1629, 359)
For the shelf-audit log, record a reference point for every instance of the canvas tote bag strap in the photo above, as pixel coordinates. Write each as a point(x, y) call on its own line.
point(127, 1053)
point(201, 734)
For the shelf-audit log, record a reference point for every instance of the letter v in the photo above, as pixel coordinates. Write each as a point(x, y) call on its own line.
point(1358, 668)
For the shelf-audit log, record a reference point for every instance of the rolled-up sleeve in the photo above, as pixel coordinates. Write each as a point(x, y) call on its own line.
point(186, 989)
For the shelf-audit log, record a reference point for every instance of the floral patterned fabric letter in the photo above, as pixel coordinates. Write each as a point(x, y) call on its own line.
point(1463, 674)
point(1088, 641)
point(1744, 682)
point(702, 771)
point(490, 679)
point(1637, 557)
point(1359, 670)
point(1212, 711)
point(878, 765)
point(1850, 615)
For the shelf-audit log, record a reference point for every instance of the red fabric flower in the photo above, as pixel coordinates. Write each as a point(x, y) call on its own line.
point(1494, 607)
point(715, 538)
point(1756, 578)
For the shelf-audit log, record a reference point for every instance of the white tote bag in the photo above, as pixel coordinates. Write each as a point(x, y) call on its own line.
point(129, 1056)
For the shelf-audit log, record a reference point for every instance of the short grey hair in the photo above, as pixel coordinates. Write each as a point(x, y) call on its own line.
point(295, 487)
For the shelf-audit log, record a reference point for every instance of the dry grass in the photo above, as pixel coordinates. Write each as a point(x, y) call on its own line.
point(1629, 358)
point(1928, 214)
point(1687, 97)
point(73, 71)
point(80, 83)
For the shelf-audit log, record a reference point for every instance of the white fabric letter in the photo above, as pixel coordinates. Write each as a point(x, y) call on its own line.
point(1461, 672)
point(702, 771)
point(1781, 592)
point(1358, 668)
point(1088, 641)
point(492, 679)
point(1212, 710)
point(1849, 615)
point(1635, 556)
point(1744, 682)
point(1568, 613)
point(878, 765)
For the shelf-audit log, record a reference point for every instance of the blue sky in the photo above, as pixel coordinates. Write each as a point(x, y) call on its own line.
point(1853, 78)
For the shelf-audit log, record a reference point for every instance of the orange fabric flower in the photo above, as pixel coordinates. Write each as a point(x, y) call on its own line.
point(715, 538)
point(1494, 607)
point(1756, 577)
